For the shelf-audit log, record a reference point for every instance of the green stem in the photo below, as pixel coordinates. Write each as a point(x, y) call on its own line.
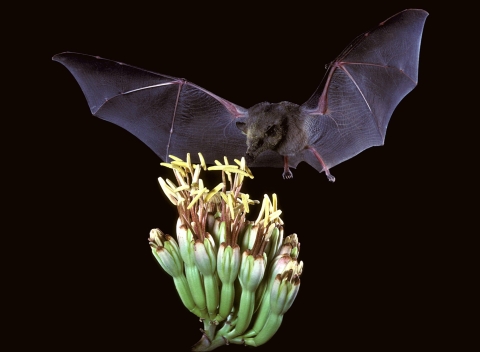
point(195, 283)
point(270, 328)
point(185, 295)
point(227, 296)
point(211, 294)
point(245, 312)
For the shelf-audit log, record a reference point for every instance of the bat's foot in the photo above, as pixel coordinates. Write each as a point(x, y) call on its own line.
point(330, 177)
point(287, 174)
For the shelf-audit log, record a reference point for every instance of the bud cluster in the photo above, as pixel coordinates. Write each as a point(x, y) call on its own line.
point(239, 277)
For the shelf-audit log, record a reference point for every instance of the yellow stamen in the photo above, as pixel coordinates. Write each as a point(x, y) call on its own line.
point(266, 200)
point(261, 212)
point(182, 188)
point(213, 192)
point(196, 175)
point(197, 197)
point(181, 180)
point(180, 163)
point(230, 205)
point(202, 161)
point(224, 197)
point(180, 199)
point(249, 172)
point(171, 184)
point(166, 188)
point(173, 157)
point(189, 163)
point(168, 191)
point(275, 215)
point(222, 167)
point(245, 202)
point(175, 167)
point(230, 169)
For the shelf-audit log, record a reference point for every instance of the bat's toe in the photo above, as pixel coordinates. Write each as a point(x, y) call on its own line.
point(330, 177)
point(287, 175)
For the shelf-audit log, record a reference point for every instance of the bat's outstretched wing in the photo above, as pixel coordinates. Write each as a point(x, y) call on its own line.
point(348, 112)
point(170, 115)
point(354, 102)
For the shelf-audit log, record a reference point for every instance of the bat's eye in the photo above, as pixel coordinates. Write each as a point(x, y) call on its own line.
point(270, 131)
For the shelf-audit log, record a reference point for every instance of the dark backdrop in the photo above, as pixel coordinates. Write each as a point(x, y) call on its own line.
point(375, 260)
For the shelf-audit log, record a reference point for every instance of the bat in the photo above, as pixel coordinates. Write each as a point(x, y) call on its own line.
point(348, 113)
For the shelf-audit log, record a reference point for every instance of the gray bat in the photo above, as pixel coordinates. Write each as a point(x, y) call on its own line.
point(348, 113)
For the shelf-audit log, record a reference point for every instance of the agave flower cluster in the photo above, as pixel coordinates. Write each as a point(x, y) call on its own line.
point(238, 276)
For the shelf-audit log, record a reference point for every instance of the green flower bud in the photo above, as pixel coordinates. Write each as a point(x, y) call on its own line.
point(193, 276)
point(252, 270)
point(166, 251)
point(228, 265)
point(206, 261)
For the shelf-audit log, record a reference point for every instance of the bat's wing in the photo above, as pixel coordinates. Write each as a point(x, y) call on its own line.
point(354, 103)
point(170, 115)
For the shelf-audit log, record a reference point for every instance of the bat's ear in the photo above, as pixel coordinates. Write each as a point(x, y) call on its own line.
point(241, 125)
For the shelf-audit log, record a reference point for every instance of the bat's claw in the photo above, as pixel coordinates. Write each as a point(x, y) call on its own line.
point(287, 175)
point(330, 177)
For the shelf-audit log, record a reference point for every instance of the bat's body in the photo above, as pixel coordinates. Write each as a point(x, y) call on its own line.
point(348, 112)
point(282, 127)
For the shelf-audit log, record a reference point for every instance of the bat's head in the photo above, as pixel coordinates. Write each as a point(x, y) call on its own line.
point(267, 127)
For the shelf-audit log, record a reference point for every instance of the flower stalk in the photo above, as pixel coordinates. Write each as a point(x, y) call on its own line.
point(238, 276)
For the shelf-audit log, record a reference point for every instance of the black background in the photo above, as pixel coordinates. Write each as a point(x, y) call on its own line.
point(381, 265)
